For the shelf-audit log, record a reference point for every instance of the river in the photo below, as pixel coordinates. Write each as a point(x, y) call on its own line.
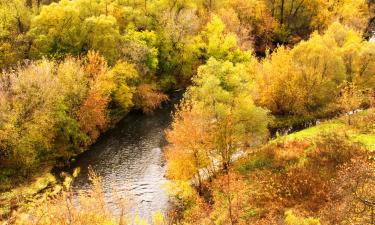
point(129, 159)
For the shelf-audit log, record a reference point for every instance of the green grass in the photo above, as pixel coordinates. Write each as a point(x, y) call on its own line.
point(336, 125)
point(316, 130)
point(368, 140)
point(256, 161)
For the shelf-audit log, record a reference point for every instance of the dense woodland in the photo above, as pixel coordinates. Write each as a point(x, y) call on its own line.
point(250, 69)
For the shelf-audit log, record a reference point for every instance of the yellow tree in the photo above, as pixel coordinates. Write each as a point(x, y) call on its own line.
point(302, 81)
point(187, 152)
point(350, 99)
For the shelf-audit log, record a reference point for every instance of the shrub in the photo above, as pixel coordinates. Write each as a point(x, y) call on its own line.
point(291, 219)
point(148, 98)
point(333, 150)
point(365, 122)
point(286, 153)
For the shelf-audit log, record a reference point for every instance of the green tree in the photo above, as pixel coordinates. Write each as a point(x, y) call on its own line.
point(214, 42)
point(74, 27)
point(225, 93)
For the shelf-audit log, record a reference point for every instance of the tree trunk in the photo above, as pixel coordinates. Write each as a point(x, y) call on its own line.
point(145, 7)
point(29, 3)
point(229, 201)
point(282, 12)
point(20, 26)
point(349, 119)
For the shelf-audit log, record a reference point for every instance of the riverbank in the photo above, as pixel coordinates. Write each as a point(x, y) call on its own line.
point(295, 177)
point(129, 153)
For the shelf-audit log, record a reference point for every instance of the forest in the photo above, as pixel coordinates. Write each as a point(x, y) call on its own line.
point(276, 123)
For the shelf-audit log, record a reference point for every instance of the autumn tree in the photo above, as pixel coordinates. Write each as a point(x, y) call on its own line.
point(59, 30)
point(356, 53)
point(222, 95)
point(303, 80)
point(92, 114)
point(251, 21)
point(147, 97)
point(350, 99)
point(53, 110)
point(187, 152)
point(139, 48)
point(125, 76)
point(215, 42)
point(226, 94)
point(351, 13)
point(14, 23)
point(229, 193)
point(293, 16)
point(40, 115)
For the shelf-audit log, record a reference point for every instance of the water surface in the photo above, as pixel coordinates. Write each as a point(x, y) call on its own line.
point(129, 158)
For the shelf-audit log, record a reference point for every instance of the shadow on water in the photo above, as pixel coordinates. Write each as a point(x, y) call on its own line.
point(129, 159)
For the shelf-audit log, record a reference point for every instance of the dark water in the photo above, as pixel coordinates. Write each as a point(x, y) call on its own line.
point(129, 158)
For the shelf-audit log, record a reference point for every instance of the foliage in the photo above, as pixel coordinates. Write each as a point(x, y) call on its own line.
point(304, 81)
point(89, 207)
point(350, 99)
point(214, 42)
point(318, 178)
point(51, 110)
point(301, 80)
point(148, 98)
point(365, 123)
point(14, 23)
point(216, 119)
point(70, 69)
point(187, 152)
point(61, 209)
point(66, 28)
point(91, 115)
point(353, 195)
point(251, 21)
point(229, 199)
point(125, 76)
point(291, 219)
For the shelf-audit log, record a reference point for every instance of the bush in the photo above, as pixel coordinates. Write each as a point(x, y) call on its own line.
point(286, 153)
point(365, 122)
point(291, 219)
point(254, 162)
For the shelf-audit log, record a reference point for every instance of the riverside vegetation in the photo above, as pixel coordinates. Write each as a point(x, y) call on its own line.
point(71, 69)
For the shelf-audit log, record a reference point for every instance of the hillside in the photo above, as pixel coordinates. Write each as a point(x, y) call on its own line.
point(315, 176)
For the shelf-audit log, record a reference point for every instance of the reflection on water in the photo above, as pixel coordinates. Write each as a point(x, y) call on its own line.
point(130, 160)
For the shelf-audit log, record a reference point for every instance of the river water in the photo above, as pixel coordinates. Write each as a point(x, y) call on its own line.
point(129, 159)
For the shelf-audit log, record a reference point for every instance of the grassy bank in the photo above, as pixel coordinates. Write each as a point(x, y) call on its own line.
point(360, 130)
